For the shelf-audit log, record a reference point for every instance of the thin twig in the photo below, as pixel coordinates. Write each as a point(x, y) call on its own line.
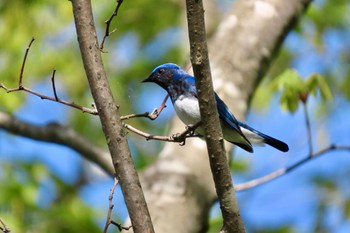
point(109, 221)
point(53, 85)
point(4, 228)
point(181, 137)
point(54, 99)
point(24, 62)
point(120, 227)
point(280, 172)
point(156, 112)
point(308, 127)
point(188, 67)
point(21, 87)
point(108, 23)
point(110, 198)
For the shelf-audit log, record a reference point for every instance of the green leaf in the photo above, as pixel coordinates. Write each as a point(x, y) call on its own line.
point(316, 82)
point(291, 85)
point(294, 89)
point(289, 79)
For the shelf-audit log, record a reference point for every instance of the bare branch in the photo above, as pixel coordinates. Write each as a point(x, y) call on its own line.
point(181, 137)
point(21, 87)
point(308, 127)
point(24, 62)
point(283, 171)
point(53, 85)
point(110, 198)
point(108, 23)
point(56, 133)
point(156, 112)
point(4, 228)
point(45, 97)
point(153, 115)
point(109, 221)
point(120, 227)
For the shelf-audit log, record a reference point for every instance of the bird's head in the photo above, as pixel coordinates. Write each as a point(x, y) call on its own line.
point(165, 75)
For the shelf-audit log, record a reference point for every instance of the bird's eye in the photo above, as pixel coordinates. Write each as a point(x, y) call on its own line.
point(161, 71)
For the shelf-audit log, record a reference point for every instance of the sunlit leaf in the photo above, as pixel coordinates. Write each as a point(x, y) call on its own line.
point(315, 83)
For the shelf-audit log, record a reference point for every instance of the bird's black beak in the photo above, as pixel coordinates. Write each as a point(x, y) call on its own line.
point(149, 79)
point(145, 80)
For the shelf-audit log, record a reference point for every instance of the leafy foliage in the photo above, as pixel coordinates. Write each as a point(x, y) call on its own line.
point(33, 199)
point(294, 89)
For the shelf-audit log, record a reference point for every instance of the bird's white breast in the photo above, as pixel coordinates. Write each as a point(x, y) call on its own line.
point(187, 109)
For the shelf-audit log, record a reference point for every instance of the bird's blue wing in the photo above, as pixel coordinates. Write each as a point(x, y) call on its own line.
point(226, 115)
point(229, 120)
point(189, 85)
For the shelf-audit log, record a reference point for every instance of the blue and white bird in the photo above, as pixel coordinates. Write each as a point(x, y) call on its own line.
point(182, 91)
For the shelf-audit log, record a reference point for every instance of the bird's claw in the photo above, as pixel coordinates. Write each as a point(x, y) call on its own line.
point(154, 114)
point(177, 137)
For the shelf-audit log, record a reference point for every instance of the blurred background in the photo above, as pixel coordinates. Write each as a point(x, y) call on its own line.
point(50, 188)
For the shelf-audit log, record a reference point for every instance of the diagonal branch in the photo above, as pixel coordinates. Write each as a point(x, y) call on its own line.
point(180, 137)
point(4, 228)
point(21, 87)
point(108, 23)
point(308, 127)
point(59, 134)
point(109, 221)
point(283, 171)
point(24, 62)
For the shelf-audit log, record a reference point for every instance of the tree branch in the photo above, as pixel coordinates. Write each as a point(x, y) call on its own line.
point(21, 87)
point(308, 127)
point(110, 119)
point(109, 221)
point(283, 171)
point(108, 23)
point(110, 206)
point(210, 119)
point(59, 134)
point(4, 228)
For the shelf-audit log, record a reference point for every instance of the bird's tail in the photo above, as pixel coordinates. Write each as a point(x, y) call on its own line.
point(256, 137)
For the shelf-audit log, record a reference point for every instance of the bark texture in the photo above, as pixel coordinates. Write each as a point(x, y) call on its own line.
point(109, 116)
point(210, 118)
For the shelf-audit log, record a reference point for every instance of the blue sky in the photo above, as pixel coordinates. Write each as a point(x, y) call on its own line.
point(291, 199)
